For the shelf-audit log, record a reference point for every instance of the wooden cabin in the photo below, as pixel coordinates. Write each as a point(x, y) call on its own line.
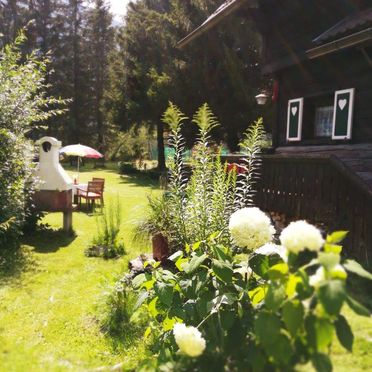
point(319, 55)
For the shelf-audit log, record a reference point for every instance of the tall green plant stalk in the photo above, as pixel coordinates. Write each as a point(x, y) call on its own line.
point(108, 225)
point(200, 192)
point(177, 179)
point(223, 196)
point(251, 147)
point(193, 209)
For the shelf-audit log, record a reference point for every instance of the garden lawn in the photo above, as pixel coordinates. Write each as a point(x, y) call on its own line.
point(50, 309)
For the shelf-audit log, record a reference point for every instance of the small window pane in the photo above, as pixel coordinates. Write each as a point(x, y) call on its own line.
point(323, 121)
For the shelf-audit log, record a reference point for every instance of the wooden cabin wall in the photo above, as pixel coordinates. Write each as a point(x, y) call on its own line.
point(323, 76)
point(289, 26)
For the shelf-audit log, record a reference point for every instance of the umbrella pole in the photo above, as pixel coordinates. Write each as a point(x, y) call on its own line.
point(78, 164)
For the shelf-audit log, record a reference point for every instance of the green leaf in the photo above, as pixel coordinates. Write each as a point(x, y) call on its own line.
point(152, 307)
point(201, 279)
point(321, 362)
point(194, 263)
point(303, 288)
point(181, 263)
point(222, 270)
point(293, 316)
point(344, 333)
point(267, 328)
point(196, 246)
point(260, 264)
point(275, 296)
point(257, 295)
point(147, 333)
point(332, 295)
point(356, 268)
point(141, 299)
point(311, 331)
point(329, 260)
point(357, 307)
point(168, 323)
point(332, 248)
point(221, 253)
point(324, 333)
point(281, 350)
point(336, 237)
point(139, 280)
point(278, 271)
point(164, 292)
point(227, 319)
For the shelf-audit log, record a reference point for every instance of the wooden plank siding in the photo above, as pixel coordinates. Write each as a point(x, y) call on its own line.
point(319, 189)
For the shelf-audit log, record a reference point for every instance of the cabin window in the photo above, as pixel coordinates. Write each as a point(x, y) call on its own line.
point(318, 118)
point(323, 121)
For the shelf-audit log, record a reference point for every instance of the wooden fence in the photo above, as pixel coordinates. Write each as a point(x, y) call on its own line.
point(320, 189)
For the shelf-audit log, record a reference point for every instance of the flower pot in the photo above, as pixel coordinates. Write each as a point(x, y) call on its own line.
point(160, 247)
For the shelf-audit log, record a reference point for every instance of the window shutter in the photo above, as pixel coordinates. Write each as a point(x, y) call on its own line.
point(294, 119)
point(343, 114)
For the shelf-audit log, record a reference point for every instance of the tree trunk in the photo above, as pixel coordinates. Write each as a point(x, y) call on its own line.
point(161, 153)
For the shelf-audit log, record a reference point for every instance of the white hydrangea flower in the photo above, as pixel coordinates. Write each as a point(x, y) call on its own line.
point(270, 248)
point(189, 340)
point(300, 235)
point(250, 228)
point(244, 270)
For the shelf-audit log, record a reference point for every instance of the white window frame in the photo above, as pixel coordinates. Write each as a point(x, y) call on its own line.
point(350, 117)
point(300, 114)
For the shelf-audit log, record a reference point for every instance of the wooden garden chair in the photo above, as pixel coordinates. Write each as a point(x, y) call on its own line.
point(93, 192)
point(95, 179)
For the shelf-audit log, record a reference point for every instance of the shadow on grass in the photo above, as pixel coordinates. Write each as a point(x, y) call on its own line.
point(49, 240)
point(140, 180)
point(13, 262)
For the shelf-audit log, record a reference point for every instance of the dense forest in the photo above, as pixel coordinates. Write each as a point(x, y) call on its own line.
point(120, 76)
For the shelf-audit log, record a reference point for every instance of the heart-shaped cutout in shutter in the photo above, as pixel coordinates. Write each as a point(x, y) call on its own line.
point(342, 103)
point(294, 111)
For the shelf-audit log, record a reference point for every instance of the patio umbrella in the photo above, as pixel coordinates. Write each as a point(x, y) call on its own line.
point(80, 151)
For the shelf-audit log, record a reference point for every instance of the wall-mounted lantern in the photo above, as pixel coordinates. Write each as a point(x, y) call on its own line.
point(262, 98)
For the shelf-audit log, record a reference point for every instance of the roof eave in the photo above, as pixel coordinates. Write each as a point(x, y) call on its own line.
point(207, 25)
point(339, 44)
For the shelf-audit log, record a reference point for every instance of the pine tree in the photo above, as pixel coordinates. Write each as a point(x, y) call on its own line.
point(100, 38)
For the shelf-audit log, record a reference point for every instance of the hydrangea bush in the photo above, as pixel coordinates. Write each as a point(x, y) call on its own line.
point(274, 307)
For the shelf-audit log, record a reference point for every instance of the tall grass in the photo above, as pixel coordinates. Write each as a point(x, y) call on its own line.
point(106, 242)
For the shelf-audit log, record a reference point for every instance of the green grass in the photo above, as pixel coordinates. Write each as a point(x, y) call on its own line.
point(52, 299)
point(50, 307)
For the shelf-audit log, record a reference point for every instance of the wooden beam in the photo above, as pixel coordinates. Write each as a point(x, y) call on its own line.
point(213, 20)
point(345, 42)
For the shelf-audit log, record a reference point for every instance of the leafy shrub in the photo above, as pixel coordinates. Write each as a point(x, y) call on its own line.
point(127, 168)
point(24, 105)
point(275, 308)
point(106, 242)
point(131, 145)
